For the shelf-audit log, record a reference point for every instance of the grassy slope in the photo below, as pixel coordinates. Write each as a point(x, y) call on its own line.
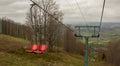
point(11, 54)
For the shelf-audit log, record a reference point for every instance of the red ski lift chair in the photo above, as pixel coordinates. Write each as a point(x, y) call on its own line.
point(33, 47)
point(41, 49)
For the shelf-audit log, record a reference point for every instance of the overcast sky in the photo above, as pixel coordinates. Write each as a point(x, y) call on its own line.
point(90, 10)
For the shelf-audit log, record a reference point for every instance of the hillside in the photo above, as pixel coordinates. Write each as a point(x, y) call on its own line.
point(12, 53)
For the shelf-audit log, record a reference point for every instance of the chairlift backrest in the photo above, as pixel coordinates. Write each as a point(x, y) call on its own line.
point(42, 47)
point(34, 46)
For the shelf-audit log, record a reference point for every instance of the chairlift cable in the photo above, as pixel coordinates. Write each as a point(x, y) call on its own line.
point(51, 15)
point(82, 14)
point(74, 6)
point(102, 14)
point(101, 20)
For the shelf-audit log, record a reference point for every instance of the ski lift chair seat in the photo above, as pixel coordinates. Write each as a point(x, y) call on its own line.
point(33, 47)
point(41, 49)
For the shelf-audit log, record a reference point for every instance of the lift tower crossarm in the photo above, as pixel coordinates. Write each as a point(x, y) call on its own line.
point(87, 26)
point(94, 35)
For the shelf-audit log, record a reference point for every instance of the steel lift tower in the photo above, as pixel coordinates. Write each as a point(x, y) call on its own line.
point(95, 34)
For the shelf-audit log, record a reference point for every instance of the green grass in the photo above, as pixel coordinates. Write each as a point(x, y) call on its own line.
point(48, 59)
point(13, 55)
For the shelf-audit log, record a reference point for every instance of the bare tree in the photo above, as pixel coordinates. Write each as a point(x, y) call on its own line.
point(47, 27)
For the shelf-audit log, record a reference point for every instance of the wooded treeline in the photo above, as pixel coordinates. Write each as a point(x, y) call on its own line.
point(9, 27)
point(59, 40)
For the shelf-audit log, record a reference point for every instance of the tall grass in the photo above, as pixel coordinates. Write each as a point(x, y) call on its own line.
point(12, 53)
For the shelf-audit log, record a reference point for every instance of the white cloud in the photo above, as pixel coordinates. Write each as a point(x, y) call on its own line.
point(20, 3)
point(91, 9)
point(14, 9)
point(21, 11)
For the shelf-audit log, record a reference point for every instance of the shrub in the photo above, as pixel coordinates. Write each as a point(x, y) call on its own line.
point(113, 53)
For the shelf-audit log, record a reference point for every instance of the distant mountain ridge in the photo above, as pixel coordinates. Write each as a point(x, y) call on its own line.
point(104, 25)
